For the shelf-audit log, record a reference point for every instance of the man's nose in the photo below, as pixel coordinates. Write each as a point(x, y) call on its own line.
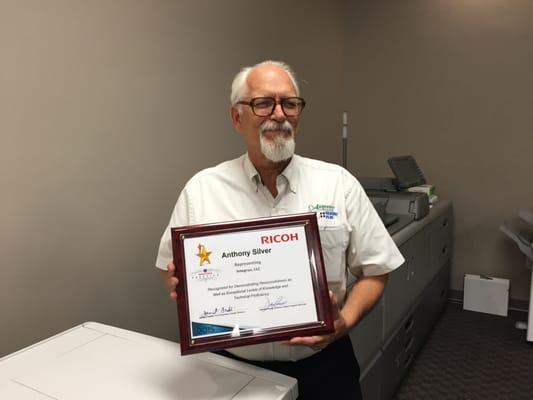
point(278, 114)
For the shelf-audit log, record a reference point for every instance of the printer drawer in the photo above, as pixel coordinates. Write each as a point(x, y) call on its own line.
point(441, 240)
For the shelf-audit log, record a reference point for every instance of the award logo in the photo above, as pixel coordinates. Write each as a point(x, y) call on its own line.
point(204, 274)
point(203, 254)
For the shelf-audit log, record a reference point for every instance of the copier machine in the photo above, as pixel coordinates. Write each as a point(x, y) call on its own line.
point(398, 208)
point(520, 229)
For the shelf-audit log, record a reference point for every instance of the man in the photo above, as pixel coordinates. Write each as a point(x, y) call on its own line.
point(269, 180)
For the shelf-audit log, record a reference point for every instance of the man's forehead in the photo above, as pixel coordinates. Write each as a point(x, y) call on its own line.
point(270, 79)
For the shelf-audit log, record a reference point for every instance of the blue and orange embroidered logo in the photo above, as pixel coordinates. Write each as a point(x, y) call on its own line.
point(324, 211)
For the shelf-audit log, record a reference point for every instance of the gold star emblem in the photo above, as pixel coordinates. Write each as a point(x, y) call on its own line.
point(203, 254)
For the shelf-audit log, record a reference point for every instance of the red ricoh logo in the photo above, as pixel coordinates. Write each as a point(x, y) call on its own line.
point(284, 237)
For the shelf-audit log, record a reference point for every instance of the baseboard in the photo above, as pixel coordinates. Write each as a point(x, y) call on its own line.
point(456, 296)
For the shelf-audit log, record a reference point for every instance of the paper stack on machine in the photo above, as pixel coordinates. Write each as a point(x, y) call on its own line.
point(427, 189)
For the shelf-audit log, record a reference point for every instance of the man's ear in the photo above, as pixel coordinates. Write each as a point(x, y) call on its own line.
point(235, 118)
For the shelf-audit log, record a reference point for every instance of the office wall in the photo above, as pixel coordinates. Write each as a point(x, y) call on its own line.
point(106, 109)
point(449, 82)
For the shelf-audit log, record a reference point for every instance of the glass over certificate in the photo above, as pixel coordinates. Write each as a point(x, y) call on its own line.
point(252, 281)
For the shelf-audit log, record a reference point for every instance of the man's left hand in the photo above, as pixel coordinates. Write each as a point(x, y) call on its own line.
point(321, 341)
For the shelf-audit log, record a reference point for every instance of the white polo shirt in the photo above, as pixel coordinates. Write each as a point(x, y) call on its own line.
point(351, 232)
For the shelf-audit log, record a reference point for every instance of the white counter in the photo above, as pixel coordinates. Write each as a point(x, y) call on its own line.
point(96, 361)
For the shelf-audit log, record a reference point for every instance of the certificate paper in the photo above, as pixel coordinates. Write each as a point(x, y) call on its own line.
point(250, 282)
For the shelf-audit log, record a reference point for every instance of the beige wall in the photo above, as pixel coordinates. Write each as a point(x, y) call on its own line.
point(106, 109)
point(450, 82)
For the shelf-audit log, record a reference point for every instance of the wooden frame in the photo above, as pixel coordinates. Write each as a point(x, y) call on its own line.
point(188, 275)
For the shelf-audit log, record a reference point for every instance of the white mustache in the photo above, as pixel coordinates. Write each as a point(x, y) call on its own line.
point(284, 126)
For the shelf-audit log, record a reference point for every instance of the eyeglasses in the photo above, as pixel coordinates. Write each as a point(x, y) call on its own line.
point(264, 106)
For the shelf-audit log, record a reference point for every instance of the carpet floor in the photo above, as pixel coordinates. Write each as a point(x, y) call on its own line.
point(472, 356)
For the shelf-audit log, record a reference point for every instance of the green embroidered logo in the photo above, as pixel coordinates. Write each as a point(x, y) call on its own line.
point(324, 211)
point(321, 207)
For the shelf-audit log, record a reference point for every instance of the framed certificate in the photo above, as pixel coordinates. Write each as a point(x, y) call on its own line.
point(248, 282)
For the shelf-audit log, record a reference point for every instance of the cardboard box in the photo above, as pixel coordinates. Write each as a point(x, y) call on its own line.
point(486, 294)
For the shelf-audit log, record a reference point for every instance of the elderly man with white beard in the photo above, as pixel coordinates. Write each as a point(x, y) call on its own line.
point(270, 180)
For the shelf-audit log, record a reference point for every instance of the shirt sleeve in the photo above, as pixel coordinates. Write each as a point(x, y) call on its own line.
point(371, 250)
point(181, 216)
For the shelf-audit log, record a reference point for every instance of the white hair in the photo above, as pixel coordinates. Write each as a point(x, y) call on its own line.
point(280, 147)
point(239, 85)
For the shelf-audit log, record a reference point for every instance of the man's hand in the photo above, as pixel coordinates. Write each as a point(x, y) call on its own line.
point(319, 342)
point(363, 296)
point(170, 281)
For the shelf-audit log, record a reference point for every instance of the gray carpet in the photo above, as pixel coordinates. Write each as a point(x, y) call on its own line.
point(472, 356)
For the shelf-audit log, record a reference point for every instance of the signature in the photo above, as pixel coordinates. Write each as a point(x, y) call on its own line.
point(278, 303)
point(216, 311)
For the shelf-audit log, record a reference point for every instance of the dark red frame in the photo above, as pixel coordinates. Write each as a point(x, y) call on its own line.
point(324, 323)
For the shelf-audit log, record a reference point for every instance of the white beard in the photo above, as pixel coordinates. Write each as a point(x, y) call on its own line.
point(280, 147)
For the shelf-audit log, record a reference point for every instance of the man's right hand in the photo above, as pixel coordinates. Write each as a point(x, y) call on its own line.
point(170, 280)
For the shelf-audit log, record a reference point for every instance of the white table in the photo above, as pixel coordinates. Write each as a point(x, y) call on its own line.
point(96, 361)
point(521, 231)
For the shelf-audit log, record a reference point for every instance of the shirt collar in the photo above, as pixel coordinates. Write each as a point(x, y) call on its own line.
point(290, 173)
point(251, 172)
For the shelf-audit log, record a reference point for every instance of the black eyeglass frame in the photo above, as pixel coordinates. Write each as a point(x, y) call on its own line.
point(276, 102)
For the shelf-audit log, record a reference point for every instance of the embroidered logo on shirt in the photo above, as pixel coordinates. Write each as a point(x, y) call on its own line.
point(324, 211)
